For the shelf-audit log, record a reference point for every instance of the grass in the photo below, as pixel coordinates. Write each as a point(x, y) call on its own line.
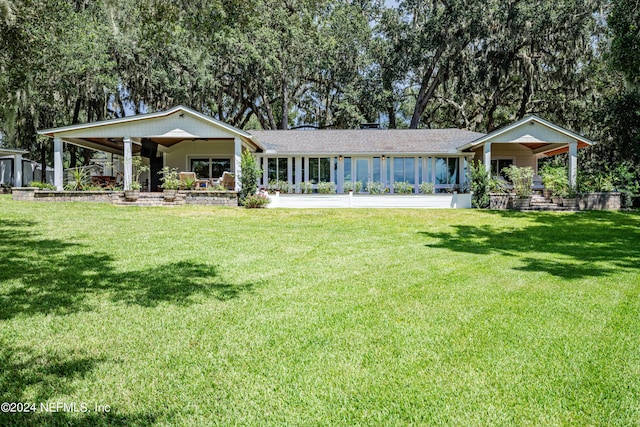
point(204, 316)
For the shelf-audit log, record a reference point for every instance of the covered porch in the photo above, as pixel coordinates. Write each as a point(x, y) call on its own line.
point(524, 142)
point(179, 138)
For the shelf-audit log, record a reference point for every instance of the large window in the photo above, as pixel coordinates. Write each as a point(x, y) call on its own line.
point(404, 169)
point(277, 168)
point(319, 169)
point(211, 167)
point(447, 170)
point(497, 166)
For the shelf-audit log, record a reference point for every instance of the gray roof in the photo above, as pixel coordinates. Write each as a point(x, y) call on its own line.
point(369, 141)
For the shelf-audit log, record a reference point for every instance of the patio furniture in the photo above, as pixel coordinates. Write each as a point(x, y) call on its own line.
point(228, 181)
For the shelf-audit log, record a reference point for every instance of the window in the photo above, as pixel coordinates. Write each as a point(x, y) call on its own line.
point(447, 170)
point(498, 165)
point(277, 169)
point(376, 169)
point(211, 167)
point(404, 169)
point(347, 168)
point(319, 169)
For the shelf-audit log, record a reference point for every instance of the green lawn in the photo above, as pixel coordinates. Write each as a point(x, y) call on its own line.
point(204, 316)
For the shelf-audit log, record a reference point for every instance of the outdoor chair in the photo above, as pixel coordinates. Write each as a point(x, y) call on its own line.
point(228, 181)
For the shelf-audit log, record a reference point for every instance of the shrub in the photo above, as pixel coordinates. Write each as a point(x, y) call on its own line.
point(170, 179)
point(353, 186)
point(249, 176)
point(277, 185)
point(480, 185)
point(402, 187)
point(555, 178)
point(306, 187)
point(326, 187)
point(427, 188)
point(256, 201)
point(42, 185)
point(521, 178)
point(375, 187)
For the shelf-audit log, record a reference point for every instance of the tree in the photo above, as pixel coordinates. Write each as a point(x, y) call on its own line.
point(250, 174)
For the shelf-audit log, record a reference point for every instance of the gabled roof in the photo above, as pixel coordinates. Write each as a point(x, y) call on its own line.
point(370, 141)
point(138, 117)
point(522, 132)
point(159, 125)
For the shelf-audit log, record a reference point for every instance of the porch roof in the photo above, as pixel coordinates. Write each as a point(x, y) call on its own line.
point(541, 136)
point(11, 151)
point(368, 141)
point(164, 128)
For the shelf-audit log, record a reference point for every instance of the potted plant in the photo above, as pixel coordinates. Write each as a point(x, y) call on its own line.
point(133, 193)
point(170, 183)
point(555, 181)
point(570, 198)
point(522, 180)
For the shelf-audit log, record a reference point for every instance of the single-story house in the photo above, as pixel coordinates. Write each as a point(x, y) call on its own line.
point(188, 140)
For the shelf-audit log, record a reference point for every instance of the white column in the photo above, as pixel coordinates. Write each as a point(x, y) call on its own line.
point(290, 170)
point(299, 177)
point(461, 171)
point(128, 168)
point(573, 163)
point(17, 171)
point(383, 171)
point(237, 150)
point(417, 177)
point(487, 156)
point(264, 164)
point(108, 165)
point(58, 168)
point(340, 177)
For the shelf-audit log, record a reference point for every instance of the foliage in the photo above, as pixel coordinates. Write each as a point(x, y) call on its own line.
point(279, 185)
point(480, 185)
point(251, 172)
point(521, 178)
point(306, 187)
point(42, 185)
point(256, 201)
point(555, 178)
point(79, 180)
point(187, 183)
point(170, 178)
point(624, 22)
point(326, 187)
point(356, 186)
point(427, 188)
point(375, 187)
point(402, 187)
point(138, 166)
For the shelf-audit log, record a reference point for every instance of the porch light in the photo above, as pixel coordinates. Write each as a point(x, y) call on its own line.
point(340, 157)
point(384, 157)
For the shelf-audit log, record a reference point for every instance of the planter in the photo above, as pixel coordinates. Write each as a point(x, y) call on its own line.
point(570, 203)
point(523, 203)
point(131, 195)
point(170, 195)
point(548, 194)
point(557, 200)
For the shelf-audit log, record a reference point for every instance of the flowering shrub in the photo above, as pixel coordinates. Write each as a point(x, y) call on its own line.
point(402, 187)
point(326, 187)
point(375, 187)
point(427, 188)
point(256, 201)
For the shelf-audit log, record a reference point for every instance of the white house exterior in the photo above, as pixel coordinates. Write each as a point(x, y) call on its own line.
point(190, 141)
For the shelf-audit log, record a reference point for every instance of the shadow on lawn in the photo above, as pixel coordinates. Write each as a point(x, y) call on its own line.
point(41, 377)
point(571, 246)
point(54, 276)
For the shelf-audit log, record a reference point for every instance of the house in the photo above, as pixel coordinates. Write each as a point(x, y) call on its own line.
point(191, 141)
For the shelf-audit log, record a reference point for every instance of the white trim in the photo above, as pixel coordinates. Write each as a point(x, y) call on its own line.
point(525, 120)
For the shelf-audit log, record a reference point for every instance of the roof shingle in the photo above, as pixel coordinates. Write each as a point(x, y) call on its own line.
point(345, 142)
